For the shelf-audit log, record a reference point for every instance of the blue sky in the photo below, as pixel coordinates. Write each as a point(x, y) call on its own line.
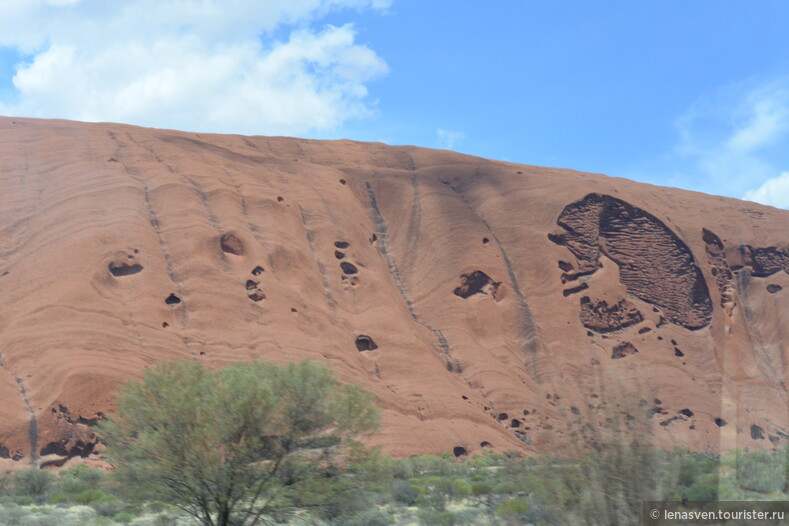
point(686, 94)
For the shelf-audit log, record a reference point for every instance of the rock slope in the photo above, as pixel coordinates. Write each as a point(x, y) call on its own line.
point(486, 304)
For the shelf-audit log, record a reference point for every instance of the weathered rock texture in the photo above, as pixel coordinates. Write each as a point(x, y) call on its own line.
point(482, 302)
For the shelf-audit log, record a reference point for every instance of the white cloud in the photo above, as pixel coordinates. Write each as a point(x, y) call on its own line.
point(450, 139)
point(733, 138)
point(203, 65)
point(773, 192)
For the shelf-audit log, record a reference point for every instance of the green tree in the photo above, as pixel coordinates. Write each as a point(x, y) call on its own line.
point(238, 445)
point(34, 483)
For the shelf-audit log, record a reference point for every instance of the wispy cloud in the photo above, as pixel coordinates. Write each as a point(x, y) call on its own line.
point(450, 139)
point(732, 142)
point(773, 192)
point(203, 65)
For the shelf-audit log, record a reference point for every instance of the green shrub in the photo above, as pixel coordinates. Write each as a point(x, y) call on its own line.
point(34, 483)
point(406, 493)
point(90, 496)
point(705, 489)
point(13, 514)
point(123, 517)
point(512, 509)
point(371, 517)
point(108, 506)
point(437, 518)
point(57, 498)
point(761, 471)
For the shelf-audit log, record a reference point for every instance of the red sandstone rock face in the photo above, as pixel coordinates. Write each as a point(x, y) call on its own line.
point(486, 304)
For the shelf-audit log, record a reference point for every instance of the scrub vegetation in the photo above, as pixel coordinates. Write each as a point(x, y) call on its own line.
point(268, 444)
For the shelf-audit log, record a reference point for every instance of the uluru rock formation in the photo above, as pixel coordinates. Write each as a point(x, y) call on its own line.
point(488, 305)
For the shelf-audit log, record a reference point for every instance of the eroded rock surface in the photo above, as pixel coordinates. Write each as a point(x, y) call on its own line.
point(476, 282)
point(654, 263)
point(765, 261)
point(600, 317)
point(226, 248)
point(716, 254)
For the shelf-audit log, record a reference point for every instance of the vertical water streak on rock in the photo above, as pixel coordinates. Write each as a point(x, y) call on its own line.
point(32, 429)
point(765, 360)
point(382, 232)
point(528, 336)
point(153, 219)
point(321, 267)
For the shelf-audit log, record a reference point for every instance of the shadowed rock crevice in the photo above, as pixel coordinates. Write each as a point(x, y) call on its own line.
point(476, 283)
point(348, 268)
point(757, 433)
point(599, 317)
point(622, 350)
point(15, 456)
point(231, 244)
point(765, 261)
point(365, 343)
point(172, 299)
point(68, 448)
point(654, 264)
point(773, 288)
point(724, 278)
point(124, 268)
point(574, 290)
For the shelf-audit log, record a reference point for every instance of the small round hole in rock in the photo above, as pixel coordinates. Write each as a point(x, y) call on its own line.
point(503, 416)
point(172, 299)
point(485, 443)
point(257, 270)
point(348, 268)
point(257, 296)
point(341, 244)
point(757, 433)
point(459, 451)
point(124, 269)
point(293, 309)
point(251, 285)
point(338, 254)
point(515, 423)
point(343, 181)
point(231, 244)
point(365, 343)
point(485, 241)
point(280, 198)
point(165, 324)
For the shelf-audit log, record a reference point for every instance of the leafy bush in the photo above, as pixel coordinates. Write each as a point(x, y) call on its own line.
point(761, 471)
point(372, 517)
point(108, 506)
point(406, 493)
point(437, 518)
point(90, 496)
point(512, 509)
point(123, 517)
point(57, 498)
point(34, 483)
point(13, 514)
